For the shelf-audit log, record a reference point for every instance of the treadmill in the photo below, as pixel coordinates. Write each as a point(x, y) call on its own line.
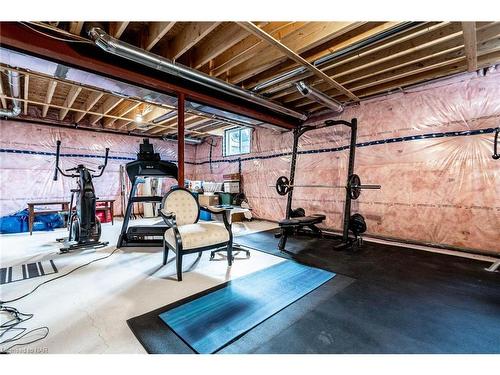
point(148, 164)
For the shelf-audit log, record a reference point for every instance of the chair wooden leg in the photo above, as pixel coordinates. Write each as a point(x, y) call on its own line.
point(165, 252)
point(179, 266)
point(230, 254)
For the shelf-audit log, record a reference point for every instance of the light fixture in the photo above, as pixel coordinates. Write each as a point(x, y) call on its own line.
point(138, 118)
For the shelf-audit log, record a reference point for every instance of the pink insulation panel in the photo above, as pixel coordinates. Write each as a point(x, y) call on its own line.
point(27, 161)
point(440, 190)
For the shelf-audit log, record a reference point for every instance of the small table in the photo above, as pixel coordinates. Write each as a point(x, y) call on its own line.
point(31, 210)
point(108, 207)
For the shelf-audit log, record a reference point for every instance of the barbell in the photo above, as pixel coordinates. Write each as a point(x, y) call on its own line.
point(354, 186)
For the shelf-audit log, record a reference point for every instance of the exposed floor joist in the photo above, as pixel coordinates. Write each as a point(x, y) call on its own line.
point(2, 99)
point(418, 52)
point(93, 98)
point(26, 92)
point(70, 99)
point(188, 37)
point(470, 45)
point(155, 32)
point(294, 56)
point(48, 96)
point(116, 29)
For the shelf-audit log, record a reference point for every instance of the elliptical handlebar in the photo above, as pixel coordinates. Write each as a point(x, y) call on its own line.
point(103, 166)
point(58, 169)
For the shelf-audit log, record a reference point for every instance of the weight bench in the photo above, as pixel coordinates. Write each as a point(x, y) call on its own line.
point(296, 224)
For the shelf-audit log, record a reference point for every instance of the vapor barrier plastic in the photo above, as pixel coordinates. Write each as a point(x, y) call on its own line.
point(429, 148)
point(27, 162)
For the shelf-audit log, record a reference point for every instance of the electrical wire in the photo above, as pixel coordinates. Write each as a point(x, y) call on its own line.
point(11, 325)
point(212, 144)
point(55, 278)
point(19, 317)
point(82, 40)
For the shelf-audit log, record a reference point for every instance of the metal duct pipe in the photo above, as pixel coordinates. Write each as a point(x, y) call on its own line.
point(194, 141)
point(15, 91)
point(138, 55)
point(319, 97)
point(164, 117)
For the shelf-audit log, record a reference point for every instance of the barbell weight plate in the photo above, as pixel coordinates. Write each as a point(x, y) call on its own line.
point(282, 187)
point(353, 186)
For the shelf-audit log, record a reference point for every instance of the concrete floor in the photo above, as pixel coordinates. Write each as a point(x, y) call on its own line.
point(86, 311)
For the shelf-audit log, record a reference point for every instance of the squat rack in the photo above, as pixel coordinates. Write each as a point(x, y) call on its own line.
point(297, 133)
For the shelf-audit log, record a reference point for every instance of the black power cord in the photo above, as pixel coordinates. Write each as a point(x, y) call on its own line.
point(212, 144)
point(11, 325)
point(18, 317)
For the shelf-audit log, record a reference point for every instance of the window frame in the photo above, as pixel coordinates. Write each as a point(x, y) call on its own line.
point(226, 137)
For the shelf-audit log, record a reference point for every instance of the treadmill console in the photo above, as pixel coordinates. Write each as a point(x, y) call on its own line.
point(149, 164)
point(146, 151)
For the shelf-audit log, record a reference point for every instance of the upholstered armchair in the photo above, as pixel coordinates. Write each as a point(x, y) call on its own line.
point(186, 235)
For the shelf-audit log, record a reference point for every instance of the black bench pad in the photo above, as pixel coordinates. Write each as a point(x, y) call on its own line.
point(302, 221)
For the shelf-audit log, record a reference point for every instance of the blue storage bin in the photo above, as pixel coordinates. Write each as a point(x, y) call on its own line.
point(204, 215)
point(18, 222)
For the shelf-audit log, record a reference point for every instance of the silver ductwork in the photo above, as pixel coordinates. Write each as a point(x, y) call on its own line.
point(115, 87)
point(319, 97)
point(138, 55)
point(15, 92)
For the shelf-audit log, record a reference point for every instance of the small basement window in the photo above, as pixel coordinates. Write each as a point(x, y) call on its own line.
point(237, 141)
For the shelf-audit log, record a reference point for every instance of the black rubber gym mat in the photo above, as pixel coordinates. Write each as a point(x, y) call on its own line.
point(389, 300)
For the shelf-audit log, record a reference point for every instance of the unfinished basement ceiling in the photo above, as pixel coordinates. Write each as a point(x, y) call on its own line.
point(362, 58)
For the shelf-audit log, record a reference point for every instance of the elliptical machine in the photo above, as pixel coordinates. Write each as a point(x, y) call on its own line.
point(83, 224)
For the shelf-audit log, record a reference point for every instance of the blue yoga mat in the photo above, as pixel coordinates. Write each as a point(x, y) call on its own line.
point(210, 322)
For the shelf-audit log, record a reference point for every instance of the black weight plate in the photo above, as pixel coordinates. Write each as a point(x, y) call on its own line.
point(357, 224)
point(298, 212)
point(282, 185)
point(353, 186)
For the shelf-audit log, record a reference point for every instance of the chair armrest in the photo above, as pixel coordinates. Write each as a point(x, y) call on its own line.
point(226, 214)
point(214, 210)
point(168, 217)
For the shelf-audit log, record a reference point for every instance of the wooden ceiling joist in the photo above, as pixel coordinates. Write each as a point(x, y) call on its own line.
point(395, 51)
point(470, 45)
point(248, 54)
point(251, 46)
point(155, 32)
point(106, 107)
point(91, 101)
point(297, 58)
point(122, 112)
point(70, 99)
point(48, 96)
point(225, 38)
point(307, 37)
point(365, 31)
point(394, 61)
point(190, 35)
point(76, 27)
point(26, 92)
point(116, 29)
point(2, 99)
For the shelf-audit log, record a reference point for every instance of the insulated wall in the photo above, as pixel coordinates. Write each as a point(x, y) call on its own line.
point(430, 148)
point(27, 162)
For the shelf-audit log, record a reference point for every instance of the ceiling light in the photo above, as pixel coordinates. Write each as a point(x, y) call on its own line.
point(138, 118)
